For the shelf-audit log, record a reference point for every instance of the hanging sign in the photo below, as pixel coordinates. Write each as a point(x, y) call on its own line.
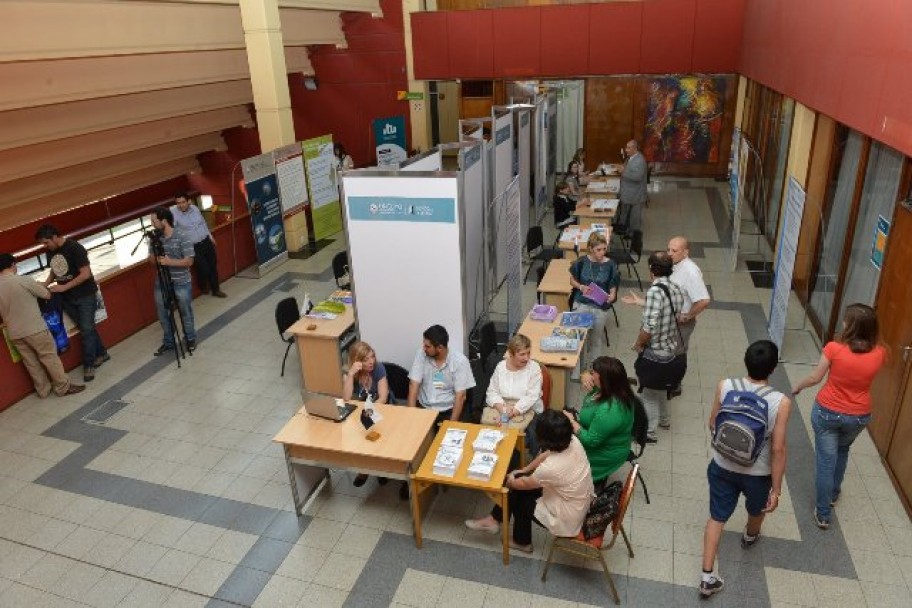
point(409, 96)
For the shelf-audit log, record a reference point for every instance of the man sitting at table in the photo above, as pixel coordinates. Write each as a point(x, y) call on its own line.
point(439, 377)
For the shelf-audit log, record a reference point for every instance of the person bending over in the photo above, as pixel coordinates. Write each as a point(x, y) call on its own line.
point(604, 424)
point(554, 490)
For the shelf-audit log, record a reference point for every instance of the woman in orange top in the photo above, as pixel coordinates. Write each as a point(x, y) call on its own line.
point(843, 406)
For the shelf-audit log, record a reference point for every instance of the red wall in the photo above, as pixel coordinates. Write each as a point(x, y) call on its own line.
point(356, 84)
point(655, 37)
point(850, 60)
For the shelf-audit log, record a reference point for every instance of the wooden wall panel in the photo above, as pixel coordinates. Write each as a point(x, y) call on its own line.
point(615, 31)
point(668, 32)
point(430, 34)
point(517, 42)
point(565, 40)
point(303, 27)
point(609, 117)
point(471, 44)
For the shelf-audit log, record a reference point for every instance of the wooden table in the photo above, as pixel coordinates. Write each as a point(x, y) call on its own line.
point(560, 365)
point(320, 350)
point(425, 479)
point(309, 441)
point(574, 238)
point(555, 285)
point(587, 216)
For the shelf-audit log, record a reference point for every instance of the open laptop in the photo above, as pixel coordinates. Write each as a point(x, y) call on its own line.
point(325, 407)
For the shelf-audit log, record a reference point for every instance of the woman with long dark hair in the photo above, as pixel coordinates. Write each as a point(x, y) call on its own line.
point(843, 406)
point(604, 424)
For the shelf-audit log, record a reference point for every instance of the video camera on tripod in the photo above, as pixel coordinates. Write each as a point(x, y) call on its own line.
point(156, 245)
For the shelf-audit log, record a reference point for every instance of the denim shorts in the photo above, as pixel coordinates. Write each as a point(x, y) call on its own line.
point(725, 487)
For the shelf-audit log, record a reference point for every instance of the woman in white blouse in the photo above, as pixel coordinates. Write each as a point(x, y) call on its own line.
point(514, 394)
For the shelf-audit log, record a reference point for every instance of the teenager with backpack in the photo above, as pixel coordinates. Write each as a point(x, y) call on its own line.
point(747, 424)
point(843, 406)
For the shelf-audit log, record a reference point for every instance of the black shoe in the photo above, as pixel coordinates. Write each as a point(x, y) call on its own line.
point(383, 480)
point(162, 350)
point(823, 524)
point(360, 480)
point(404, 491)
point(88, 374)
point(100, 359)
point(191, 344)
point(673, 392)
point(708, 589)
point(652, 440)
point(747, 542)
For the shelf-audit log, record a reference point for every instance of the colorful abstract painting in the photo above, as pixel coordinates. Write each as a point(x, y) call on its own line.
point(684, 119)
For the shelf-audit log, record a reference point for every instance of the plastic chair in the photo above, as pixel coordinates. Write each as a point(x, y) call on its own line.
point(340, 269)
point(535, 239)
point(630, 255)
point(546, 385)
point(594, 548)
point(398, 381)
point(286, 315)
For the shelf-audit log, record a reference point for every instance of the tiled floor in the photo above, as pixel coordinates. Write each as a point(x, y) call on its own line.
point(183, 500)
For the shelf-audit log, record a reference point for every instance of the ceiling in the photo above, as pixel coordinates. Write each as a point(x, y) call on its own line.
point(105, 96)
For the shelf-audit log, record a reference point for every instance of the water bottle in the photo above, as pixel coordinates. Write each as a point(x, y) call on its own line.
point(504, 419)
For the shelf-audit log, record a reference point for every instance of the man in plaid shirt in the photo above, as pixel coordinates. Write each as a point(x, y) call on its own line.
point(659, 337)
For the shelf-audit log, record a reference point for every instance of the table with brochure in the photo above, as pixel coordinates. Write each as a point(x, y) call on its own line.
point(559, 364)
point(574, 239)
point(467, 456)
point(321, 338)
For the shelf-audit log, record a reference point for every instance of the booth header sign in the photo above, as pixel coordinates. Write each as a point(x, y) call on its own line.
point(389, 137)
point(402, 209)
point(409, 95)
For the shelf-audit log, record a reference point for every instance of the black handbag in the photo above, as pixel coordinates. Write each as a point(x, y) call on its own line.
point(657, 372)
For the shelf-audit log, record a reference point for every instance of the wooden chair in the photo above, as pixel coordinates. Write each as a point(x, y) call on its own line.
point(546, 385)
point(594, 548)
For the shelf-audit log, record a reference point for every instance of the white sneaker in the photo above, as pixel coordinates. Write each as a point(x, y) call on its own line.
point(482, 526)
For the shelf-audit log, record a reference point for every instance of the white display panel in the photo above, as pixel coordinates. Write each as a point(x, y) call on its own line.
point(431, 161)
point(472, 164)
point(524, 149)
point(503, 175)
point(406, 269)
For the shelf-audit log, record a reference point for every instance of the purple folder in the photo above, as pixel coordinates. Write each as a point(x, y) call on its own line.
point(597, 294)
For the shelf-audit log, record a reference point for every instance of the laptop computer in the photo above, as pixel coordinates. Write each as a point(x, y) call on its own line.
point(325, 407)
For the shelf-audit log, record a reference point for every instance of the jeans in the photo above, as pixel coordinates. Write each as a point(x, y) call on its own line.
point(655, 403)
point(82, 311)
point(596, 339)
point(184, 293)
point(833, 436)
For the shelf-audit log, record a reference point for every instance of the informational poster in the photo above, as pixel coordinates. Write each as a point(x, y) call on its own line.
point(785, 261)
point(262, 191)
point(289, 163)
point(513, 238)
point(389, 138)
point(321, 182)
point(881, 230)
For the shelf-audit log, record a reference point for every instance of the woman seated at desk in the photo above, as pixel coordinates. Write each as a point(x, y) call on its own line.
point(604, 423)
point(554, 490)
point(575, 180)
point(563, 206)
point(515, 390)
point(598, 269)
point(366, 377)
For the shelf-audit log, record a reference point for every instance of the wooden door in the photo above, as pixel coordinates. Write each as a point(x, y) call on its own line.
point(891, 402)
point(899, 455)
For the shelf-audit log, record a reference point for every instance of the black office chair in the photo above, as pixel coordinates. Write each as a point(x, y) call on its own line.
point(340, 269)
point(630, 255)
point(535, 239)
point(487, 345)
point(398, 380)
point(286, 315)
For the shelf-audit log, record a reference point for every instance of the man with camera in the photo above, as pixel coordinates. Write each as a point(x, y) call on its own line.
point(172, 253)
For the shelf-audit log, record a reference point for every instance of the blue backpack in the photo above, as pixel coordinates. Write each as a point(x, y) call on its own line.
point(742, 423)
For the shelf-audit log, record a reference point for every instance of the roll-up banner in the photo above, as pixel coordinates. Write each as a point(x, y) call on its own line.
point(321, 183)
point(262, 191)
point(389, 138)
point(785, 261)
point(289, 163)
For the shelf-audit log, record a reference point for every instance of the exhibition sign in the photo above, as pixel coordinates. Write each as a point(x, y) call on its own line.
point(289, 163)
point(785, 261)
point(389, 138)
point(262, 191)
point(881, 230)
point(321, 183)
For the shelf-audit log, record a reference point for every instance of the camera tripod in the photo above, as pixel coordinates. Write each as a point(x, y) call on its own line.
point(165, 284)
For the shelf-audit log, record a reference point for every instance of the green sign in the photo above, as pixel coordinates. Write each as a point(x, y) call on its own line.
point(320, 163)
point(409, 96)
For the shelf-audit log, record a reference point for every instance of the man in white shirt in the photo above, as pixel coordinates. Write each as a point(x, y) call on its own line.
point(189, 219)
point(687, 275)
point(439, 377)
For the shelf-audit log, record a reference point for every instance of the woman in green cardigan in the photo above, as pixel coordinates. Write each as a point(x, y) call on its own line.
point(604, 424)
